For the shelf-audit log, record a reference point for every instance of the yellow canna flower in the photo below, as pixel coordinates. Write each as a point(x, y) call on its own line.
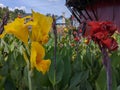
point(2, 35)
point(44, 22)
point(45, 39)
point(18, 28)
point(41, 26)
point(36, 59)
point(36, 27)
point(43, 66)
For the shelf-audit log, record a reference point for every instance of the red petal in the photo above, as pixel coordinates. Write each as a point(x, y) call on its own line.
point(80, 30)
point(76, 38)
point(94, 27)
point(110, 43)
point(74, 32)
point(99, 35)
point(110, 27)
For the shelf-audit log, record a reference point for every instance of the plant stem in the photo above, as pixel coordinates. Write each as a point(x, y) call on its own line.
point(55, 48)
point(29, 79)
point(29, 76)
point(28, 69)
point(107, 65)
point(4, 22)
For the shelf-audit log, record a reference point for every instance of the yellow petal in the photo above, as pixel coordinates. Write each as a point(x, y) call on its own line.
point(18, 28)
point(43, 66)
point(36, 59)
point(45, 39)
point(27, 17)
point(46, 27)
point(25, 56)
point(41, 26)
point(44, 22)
point(36, 33)
point(2, 35)
point(37, 53)
point(33, 58)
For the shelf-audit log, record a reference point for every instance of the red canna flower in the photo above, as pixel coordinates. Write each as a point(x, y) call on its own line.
point(98, 35)
point(77, 39)
point(101, 33)
point(75, 32)
point(80, 30)
point(110, 43)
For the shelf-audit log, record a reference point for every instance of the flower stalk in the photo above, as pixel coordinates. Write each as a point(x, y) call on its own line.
point(107, 65)
point(29, 70)
point(55, 47)
point(29, 75)
point(4, 22)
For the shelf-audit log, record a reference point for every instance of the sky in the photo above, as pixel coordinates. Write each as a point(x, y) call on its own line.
point(56, 7)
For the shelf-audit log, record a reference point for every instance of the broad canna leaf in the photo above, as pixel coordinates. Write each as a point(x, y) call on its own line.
point(55, 75)
point(67, 71)
point(9, 85)
point(101, 82)
point(78, 78)
point(40, 80)
point(115, 58)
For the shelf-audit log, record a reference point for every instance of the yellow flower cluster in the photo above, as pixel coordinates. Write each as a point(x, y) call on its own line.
point(35, 27)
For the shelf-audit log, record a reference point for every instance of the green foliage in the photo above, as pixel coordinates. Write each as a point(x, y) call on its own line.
point(78, 67)
point(55, 74)
point(12, 14)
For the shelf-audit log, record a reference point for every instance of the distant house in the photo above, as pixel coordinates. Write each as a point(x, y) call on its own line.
point(61, 20)
point(61, 23)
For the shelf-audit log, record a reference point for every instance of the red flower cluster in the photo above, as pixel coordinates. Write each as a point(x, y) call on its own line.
point(76, 36)
point(101, 33)
point(77, 39)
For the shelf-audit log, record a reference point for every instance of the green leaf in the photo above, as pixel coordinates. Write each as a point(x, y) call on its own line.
point(85, 85)
point(115, 59)
point(40, 80)
point(73, 88)
point(114, 80)
point(20, 60)
point(67, 71)
point(101, 82)
point(9, 85)
point(11, 47)
point(78, 78)
point(2, 81)
point(55, 76)
point(88, 86)
point(118, 88)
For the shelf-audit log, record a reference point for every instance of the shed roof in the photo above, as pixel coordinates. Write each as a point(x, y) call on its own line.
point(82, 4)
